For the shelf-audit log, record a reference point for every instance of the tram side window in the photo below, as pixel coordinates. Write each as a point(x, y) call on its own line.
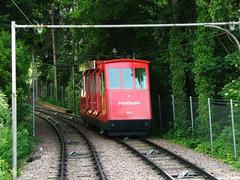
point(88, 84)
point(102, 84)
point(94, 84)
point(140, 75)
point(83, 90)
point(114, 78)
point(127, 78)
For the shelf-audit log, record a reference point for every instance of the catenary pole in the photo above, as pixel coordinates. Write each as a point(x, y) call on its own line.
point(14, 103)
point(13, 39)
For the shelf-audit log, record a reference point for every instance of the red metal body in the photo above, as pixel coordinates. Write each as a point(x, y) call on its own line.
point(116, 96)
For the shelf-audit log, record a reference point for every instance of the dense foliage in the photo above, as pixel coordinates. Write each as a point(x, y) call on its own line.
point(24, 139)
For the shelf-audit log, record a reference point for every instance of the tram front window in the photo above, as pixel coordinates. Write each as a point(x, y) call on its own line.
point(127, 78)
point(114, 78)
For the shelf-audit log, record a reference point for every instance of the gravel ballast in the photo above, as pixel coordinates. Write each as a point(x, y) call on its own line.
point(119, 163)
point(45, 158)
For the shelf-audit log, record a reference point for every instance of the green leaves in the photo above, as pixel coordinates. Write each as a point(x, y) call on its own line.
point(4, 111)
point(23, 64)
point(178, 77)
point(4, 169)
point(232, 90)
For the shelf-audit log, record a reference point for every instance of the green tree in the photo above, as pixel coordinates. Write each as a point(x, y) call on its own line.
point(203, 53)
point(23, 64)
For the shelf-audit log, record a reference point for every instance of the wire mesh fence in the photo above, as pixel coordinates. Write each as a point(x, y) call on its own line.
point(218, 125)
point(47, 92)
point(64, 97)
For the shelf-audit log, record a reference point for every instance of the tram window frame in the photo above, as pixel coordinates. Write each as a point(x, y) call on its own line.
point(102, 84)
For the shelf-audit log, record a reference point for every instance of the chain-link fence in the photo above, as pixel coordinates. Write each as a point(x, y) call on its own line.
point(65, 97)
point(217, 127)
point(46, 91)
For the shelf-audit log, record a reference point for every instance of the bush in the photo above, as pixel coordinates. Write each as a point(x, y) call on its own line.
point(223, 146)
point(232, 90)
point(4, 110)
point(4, 169)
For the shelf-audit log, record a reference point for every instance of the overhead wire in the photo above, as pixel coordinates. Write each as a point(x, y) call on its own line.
point(22, 12)
point(28, 21)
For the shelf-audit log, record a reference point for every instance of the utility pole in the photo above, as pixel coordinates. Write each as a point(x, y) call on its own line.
point(54, 54)
point(74, 56)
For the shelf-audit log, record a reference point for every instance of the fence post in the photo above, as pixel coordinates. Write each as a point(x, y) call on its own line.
point(210, 123)
point(173, 108)
point(160, 112)
point(40, 89)
point(47, 90)
point(62, 95)
point(233, 130)
point(36, 84)
point(191, 111)
point(51, 95)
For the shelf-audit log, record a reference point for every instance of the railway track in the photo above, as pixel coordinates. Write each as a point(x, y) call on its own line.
point(61, 169)
point(166, 162)
point(81, 158)
point(59, 114)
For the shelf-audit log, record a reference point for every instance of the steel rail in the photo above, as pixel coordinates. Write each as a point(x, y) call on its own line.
point(157, 167)
point(205, 173)
point(93, 152)
point(89, 144)
point(154, 165)
point(64, 115)
point(62, 172)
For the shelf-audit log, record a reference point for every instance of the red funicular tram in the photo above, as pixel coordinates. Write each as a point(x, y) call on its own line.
point(116, 96)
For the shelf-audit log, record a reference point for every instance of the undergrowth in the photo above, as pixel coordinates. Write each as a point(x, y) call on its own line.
point(222, 145)
point(24, 139)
